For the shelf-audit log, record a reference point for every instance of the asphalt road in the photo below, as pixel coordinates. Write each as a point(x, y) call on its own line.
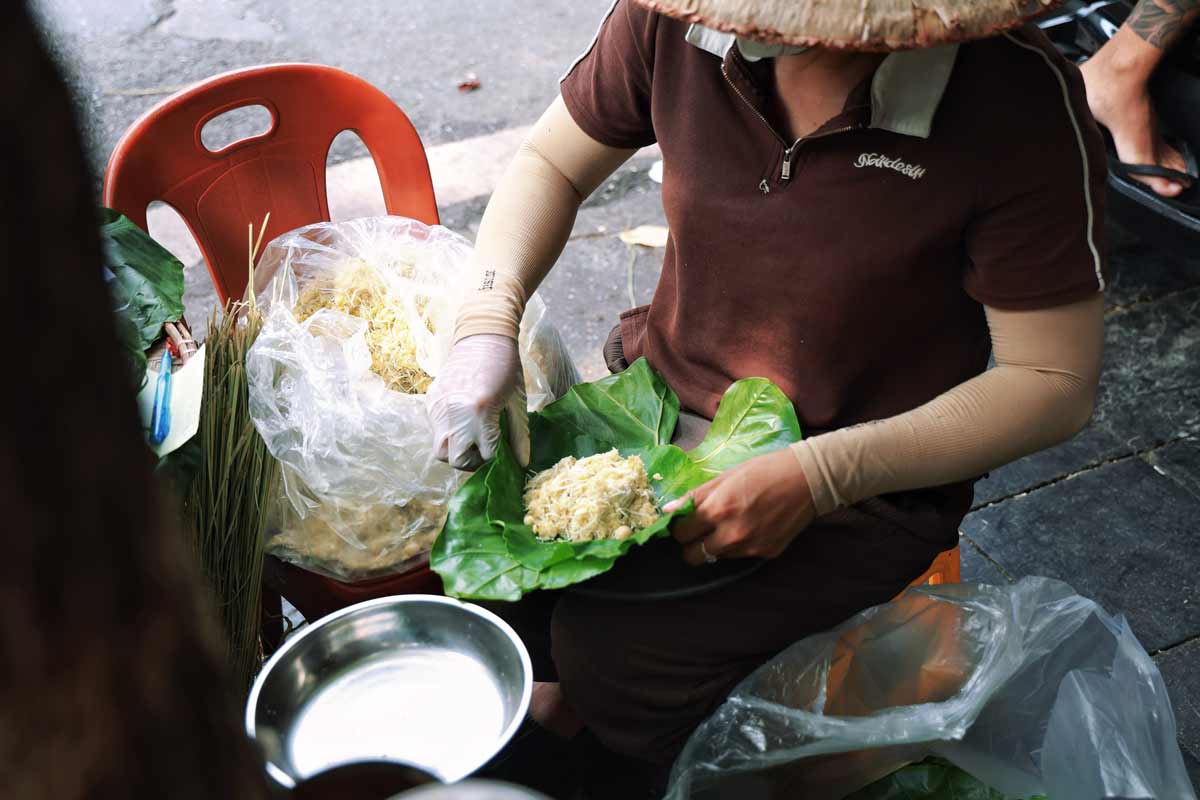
point(122, 56)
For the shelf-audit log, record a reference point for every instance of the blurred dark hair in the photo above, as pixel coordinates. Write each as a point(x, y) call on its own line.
point(111, 673)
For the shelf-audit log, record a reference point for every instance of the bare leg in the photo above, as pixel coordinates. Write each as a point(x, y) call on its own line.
point(1117, 79)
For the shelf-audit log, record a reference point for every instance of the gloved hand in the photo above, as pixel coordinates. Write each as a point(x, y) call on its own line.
point(481, 378)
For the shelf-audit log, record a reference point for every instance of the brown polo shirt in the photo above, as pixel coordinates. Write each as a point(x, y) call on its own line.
point(851, 267)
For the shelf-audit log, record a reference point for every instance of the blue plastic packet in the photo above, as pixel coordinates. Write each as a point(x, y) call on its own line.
point(160, 420)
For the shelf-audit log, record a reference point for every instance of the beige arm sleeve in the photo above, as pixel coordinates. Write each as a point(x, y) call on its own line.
point(529, 218)
point(1040, 393)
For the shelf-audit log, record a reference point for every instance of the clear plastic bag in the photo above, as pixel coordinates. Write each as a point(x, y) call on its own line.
point(362, 495)
point(1030, 688)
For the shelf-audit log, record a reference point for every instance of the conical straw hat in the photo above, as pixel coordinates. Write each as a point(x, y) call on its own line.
point(856, 24)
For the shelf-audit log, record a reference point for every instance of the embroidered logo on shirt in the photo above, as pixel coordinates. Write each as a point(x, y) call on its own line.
point(913, 171)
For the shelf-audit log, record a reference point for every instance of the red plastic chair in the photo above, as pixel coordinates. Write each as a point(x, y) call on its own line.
point(218, 194)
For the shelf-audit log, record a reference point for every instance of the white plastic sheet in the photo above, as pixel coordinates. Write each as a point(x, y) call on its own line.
point(1031, 688)
point(362, 494)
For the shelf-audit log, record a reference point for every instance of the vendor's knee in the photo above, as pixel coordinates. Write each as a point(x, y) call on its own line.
point(624, 690)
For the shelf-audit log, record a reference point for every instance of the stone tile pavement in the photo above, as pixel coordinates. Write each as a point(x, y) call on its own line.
point(1116, 511)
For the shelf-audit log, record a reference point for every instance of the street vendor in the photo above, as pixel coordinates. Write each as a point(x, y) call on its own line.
point(865, 202)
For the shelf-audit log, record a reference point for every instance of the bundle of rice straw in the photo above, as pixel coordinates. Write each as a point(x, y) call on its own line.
point(227, 505)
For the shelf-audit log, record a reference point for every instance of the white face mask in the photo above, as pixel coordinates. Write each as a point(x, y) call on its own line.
point(754, 51)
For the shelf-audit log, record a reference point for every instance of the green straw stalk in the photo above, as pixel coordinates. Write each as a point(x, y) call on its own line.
point(228, 504)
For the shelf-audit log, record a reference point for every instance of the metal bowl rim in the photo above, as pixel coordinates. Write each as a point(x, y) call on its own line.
point(285, 780)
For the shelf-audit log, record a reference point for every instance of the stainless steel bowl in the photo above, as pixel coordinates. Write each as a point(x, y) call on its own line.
point(414, 679)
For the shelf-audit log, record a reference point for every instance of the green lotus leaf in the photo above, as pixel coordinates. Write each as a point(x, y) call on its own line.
point(487, 552)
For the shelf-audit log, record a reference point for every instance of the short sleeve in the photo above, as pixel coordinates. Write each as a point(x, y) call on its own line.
point(607, 89)
point(1035, 239)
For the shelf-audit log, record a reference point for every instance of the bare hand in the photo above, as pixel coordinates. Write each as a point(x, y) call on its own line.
point(185, 345)
point(754, 510)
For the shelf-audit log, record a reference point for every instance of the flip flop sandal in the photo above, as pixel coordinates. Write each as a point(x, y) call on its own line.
point(1188, 201)
point(1143, 212)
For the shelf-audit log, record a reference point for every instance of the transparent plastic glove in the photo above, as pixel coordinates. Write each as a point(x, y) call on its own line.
point(481, 378)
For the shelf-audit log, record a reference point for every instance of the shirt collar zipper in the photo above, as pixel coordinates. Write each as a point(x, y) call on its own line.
point(789, 151)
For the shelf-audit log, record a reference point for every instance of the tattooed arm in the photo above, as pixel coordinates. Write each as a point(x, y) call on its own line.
point(1162, 22)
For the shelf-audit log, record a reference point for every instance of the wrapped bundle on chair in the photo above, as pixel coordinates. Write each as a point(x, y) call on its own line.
point(359, 316)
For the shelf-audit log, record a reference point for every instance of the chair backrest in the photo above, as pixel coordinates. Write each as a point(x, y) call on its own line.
point(282, 171)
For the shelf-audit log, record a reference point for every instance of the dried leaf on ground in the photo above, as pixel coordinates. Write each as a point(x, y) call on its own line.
point(645, 236)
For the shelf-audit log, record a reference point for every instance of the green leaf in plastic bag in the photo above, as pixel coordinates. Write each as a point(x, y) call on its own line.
point(146, 281)
point(130, 339)
point(931, 779)
point(487, 552)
